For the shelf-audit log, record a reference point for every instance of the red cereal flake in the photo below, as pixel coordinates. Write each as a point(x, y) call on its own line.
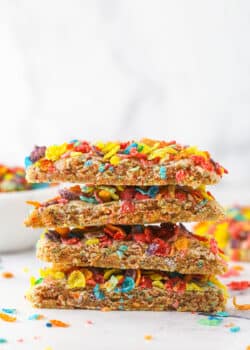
point(180, 175)
point(239, 285)
point(145, 282)
point(127, 207)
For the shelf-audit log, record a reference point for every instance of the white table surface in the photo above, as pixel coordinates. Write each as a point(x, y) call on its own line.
point(111, 330)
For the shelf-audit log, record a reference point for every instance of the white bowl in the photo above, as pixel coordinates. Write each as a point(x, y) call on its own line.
point(14, 235)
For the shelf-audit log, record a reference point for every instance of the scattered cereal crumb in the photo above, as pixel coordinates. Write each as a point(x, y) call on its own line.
point(57, 323)
point(7, 318)
point(48, 324)
point(8, 311)
point(222, 314)
point(7, 274)
point(238, 267)
point(20, 340)
point(148, 337)
point(36, 317)
point(89, 322)
point(3, 341)
point(48, 348)
point(36, 337)
point(210, 321)
point(229, 325)
point(234, 329)
point(26, 269)
point(240, 306)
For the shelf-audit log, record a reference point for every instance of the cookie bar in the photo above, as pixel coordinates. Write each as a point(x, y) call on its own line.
point(122, 205)
point(165, 247)
point(101, 289)
point(231, 233)
point(143, 163)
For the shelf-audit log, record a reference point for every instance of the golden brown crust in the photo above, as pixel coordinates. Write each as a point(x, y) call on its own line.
point(78, 213)
point(196, 258)
point(130, 172)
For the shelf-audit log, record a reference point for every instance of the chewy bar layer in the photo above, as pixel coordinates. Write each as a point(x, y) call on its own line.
point(100, 289)
point(144, 163)
point(167, 247)
point(120, 205)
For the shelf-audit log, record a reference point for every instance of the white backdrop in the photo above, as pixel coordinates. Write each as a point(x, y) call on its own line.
point(122, 69)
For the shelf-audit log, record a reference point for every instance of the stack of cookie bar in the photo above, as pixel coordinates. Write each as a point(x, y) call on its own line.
point(114, 239)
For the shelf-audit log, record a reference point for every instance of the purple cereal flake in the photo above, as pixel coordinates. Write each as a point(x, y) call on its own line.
point(152, 248)
point(37, 153)
point(67, 194)
point(53, 236)
point(130, 273)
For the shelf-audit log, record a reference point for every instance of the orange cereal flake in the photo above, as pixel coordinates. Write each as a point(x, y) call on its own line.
point(7, 318)
point(57, 323)
point(7, 274)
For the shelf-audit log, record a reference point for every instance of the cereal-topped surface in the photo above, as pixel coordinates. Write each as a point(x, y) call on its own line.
point(104, 194)
point(162, 240)
point(13, 179)
point(147, 151)
point(124, 281)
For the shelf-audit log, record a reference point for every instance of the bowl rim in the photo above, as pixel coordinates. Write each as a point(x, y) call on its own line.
point(26, 192)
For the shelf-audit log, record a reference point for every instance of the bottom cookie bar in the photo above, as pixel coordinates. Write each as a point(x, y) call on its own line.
point(113, 289)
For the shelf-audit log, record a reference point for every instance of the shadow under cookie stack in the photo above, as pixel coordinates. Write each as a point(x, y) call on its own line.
point(114, 239)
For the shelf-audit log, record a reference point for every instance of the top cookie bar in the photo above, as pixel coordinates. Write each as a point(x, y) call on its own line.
point(143, 163)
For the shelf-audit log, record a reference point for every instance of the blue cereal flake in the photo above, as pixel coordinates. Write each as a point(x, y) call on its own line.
point(88, 199)
point(151, 192)
point(128, 149)
point(27, 162)
point(88, 162)
point(98, 293)
point(163, 172)
point(222, 314)
point(73, 141)
point(121, 250)
point(48, 324)
point(202, 203)
point(101, 168)
point(3, 341)
point(34, 317)
point(234, 329)
point(9, 311)
point(128, 284)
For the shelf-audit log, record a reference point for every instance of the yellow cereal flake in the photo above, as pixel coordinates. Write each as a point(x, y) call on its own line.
point(112, 152)
point(54, 152)
point(76, 280)
point(193, 150)
point(92, 241)
point(192, 286)
point(49, 272)
point(158, 284)
point(156, 277)
point(110, 272)
point(114, 160)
